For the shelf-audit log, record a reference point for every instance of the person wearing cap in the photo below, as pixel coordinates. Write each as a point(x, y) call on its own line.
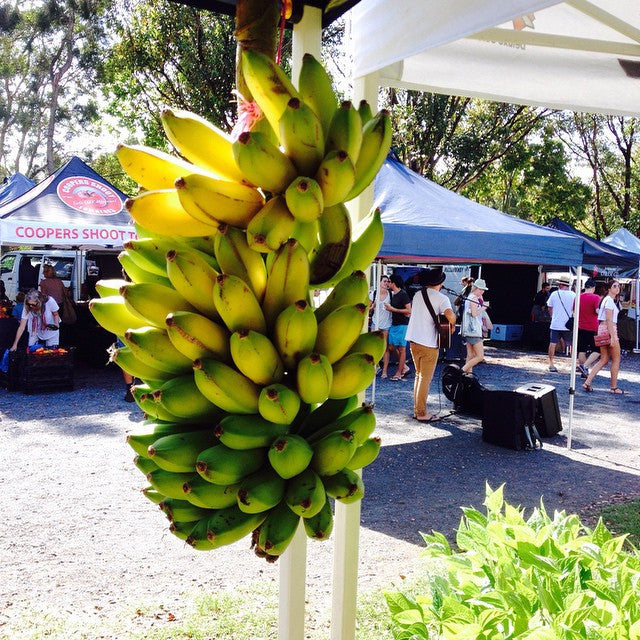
point(422, 335)
point(400, 308)
point(588, 327)
point(471, 330)
point(560, 305)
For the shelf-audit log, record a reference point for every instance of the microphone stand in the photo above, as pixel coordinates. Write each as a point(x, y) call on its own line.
point(458, 295)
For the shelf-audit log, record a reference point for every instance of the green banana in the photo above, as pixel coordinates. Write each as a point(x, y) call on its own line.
point(256, 357)
point(374, 343)
point(333, 452)
point(182, 511)
point(195, 336)
point(113, 315)
point(294, 332)
point(151, 408)
point(335, 176)
point(314, 378)
point(110, 287)
point(316, 89)
point(236, 258)
point(278, 404)
point(288, 279)
point(242, 432)
point(364, 109)
point(350, 290)
point(182, 530)
point(147, 433)
point(345, 486)
point(178, 452)
point(198, 536)
point(168, 482)
point(271, 227)
point(352, 374)
point(327, 413)
point(335, 241)
point(301, 136)
point(339, 330)
point(345, 131)
point(237, 305)
point(138, 274)
point(153, 302)
point(277, 531)
point(307, 234)
point(125, 359)
point(150, 253)
point(305, 200)
point(365, 454)
point(361, 422)
point(222, 465)
point(319, 527)
point(262, 163)
point(305, 493)
point(181, 397)
point(151, 494)
point(290, 455)
point(144, 464)
point(207, 495)
point(229, 525)
point(225, 387)
point(260, 491)
point(152, 346)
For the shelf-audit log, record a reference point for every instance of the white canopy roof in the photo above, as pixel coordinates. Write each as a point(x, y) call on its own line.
point(582, 55)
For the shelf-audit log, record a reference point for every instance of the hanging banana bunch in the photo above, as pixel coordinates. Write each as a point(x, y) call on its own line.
point(252, 421)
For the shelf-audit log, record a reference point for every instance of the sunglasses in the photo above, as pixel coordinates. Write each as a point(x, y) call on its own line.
point(32, 305)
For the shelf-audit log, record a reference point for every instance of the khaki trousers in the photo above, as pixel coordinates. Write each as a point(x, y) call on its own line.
point(424, 360)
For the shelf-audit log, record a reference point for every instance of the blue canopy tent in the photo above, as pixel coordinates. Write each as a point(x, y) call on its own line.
point(623, 239)
point(14, 186)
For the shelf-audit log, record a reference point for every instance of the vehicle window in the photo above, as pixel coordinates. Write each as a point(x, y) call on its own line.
point(62, 266)
point(6, 264)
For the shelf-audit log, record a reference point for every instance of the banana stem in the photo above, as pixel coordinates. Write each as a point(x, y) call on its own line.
point(257, 29)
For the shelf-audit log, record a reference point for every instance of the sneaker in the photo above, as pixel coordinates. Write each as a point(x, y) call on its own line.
point(128, 397)
point(553, 369)
point(584, 372)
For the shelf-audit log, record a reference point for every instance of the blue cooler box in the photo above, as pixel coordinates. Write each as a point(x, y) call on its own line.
point(507, 332)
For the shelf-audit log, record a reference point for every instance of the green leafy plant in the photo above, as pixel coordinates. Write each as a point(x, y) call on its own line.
point(539, 578)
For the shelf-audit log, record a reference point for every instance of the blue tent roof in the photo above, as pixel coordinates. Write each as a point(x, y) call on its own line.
point(623, 239)
point(14, 186)
point(424, 222)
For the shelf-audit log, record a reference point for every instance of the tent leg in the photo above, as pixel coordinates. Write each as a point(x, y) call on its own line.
point(637, 349)
point(574, 352)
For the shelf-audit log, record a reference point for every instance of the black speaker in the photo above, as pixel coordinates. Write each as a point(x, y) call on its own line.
point(463, 389)
point(547, 419)
point(508, 420)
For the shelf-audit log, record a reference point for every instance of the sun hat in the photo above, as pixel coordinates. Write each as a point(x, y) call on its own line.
point(432, 277)
point(481, 284)
point(563, 280)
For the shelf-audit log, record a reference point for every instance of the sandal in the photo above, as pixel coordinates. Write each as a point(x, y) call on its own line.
point(396, 378)
point(616, 391)
point(587, 387)
point(431, 418)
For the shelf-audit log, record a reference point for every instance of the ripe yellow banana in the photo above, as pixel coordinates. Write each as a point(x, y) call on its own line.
point(349, 291)
point(113, 315)
point(317, 91)
point(247, 431)
point(336, 176)
point(295, 332)
point(301, 136)
point(195, 336)
point(153, 302)
point(335, 241)
point(345, 131)
point(279, 404)
point(277, 531)
point(225, 466)
point(256, 357)
point(271, 227)
point(352, 374)
point(260, 491)
point(225, 387)
point(314, 378)
point(152, 346)
point(237, 305)
point(304, 199)
point(290, 455)
point(339, 330)
point(138, 274)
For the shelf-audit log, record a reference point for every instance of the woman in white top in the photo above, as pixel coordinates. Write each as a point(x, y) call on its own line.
point(608, 317)
point(471, 329)
point(381, 318)
point(40, 318)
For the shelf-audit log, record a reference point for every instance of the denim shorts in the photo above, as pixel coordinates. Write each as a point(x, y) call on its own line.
point(472, 340)
point(397, 335)
point(556, 334)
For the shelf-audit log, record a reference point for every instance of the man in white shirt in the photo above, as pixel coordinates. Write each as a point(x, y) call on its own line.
point(422, 335)
point(560, 304)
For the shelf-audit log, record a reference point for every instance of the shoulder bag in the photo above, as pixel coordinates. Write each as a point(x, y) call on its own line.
point(568, 325)
point(68, 312)
point(443, 328)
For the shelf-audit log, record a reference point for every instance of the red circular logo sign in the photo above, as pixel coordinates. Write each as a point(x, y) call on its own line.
point(89, 196)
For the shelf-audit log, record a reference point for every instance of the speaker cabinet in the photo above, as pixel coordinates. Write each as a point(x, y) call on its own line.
point(547, 420)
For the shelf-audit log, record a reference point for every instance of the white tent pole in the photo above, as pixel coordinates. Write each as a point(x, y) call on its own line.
point(574, 352)
point(637, 349)
point(377, 274)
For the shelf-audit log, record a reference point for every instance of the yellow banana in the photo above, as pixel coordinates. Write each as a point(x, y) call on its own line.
point(305, 493)
point(279, 404)
point(225, 387)
point(255, 356)
point(295, 332)
point(178, 452)
point(236, 258)
point(365, 454)
point(213, 201)
point(113, 315)
point(237, 305)
point(260, 491)
point(262, 162)
point(153, 302)
point(196, 337)
point(307, 234)
point(150, 253)
point(110, 287)
point(229, 525)
point(138, 274)
point(336, 176)
point(125, 359)
point(345, 486)
point(152, 346)
point(271, 227)
point(201, 143)
point(335, 241)
point(207, 495)
point(350, 290)
point(277, 531)
point(162, 212)
point(314, 378)
point(317, 91)
point(333, 452)
point(301, 136)
point(247, 431)
point(304, 199)
point(339, 330)
point(319, 527)
point(364, 109)
point(221, 465)
point(345, 131)
point(374, 343)
point(352, 374)
point(290, 455)
point(181, 397)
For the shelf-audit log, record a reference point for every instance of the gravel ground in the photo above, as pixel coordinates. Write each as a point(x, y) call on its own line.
point(80, 540)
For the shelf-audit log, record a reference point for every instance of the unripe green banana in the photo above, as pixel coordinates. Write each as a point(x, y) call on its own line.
point(168, 483)
point(154, 410)
point(365, 454)
point(307, 234)
point(327, 413)
point(305, 493)
point(271, 227)
point(345, 486)
point(182, 511)
point(350, 290)
point(194, 278)
point(336, 176)
point(195, 336)
point(144, 464)
point(361, 422)
point(229, 525)
point(268, 83)
point(150, 253)
point(304, 199)
point(181, 397)
point(225, 387)
point(294, 333)
point(317, 91)
point(110, 287)
point(301, 136)
point(138, 274)
point(333, 452)
point(242, 432)
point(207, 495)
point(256, 357)
point(262, 163)
point(182, 530)
point(151, 494)
point(112, 314)
point(314, 378)
point(236, 258)
point(290, 455)
point(260, 491)
point(153, 302)
point(145, 434)
point(222, 465)
point(279, 404)
point(352, 374)
point(213, 201)
point(237, 305)
point(288, 279)
point(198, 536)
point(376, 142)
point(277, 531)
point(152, 346)
point(339, 330)
point(364, 109)
point(178, 452)
point(319, 527)
point(335, 241)
point(374, 343)
point(345, 131)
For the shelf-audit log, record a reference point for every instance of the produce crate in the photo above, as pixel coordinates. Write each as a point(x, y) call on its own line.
point(47, 372)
